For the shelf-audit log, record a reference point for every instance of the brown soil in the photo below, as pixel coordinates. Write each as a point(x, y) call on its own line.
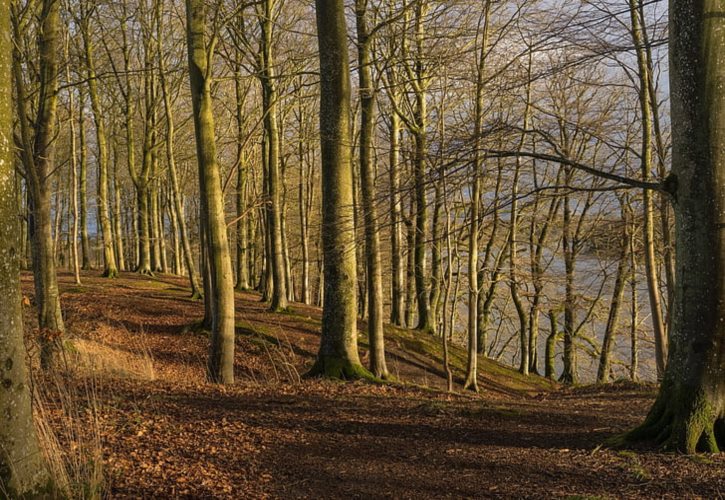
point(168, 434)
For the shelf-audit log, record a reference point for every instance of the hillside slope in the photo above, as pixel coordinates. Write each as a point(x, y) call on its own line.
point(135, 410)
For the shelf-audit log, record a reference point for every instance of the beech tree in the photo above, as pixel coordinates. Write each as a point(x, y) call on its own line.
point(689, 413)
point(38, 141)
point(22, 471)
point(338, 355)
point(220, 275)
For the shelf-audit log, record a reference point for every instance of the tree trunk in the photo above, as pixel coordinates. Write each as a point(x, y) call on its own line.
point(178, 205)
point(220, 368)
point(396, 237)
point(22, 471)
point(617, 296)
point(689, 413)
point(38, 160)
point(367, 181)
point(338, 354)
point(270, 98)
point(110, 269)
point(650, 260)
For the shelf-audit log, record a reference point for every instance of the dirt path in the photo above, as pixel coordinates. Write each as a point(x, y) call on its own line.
point(167, 434)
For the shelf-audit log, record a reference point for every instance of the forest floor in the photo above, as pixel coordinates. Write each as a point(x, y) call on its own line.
point(136, 383)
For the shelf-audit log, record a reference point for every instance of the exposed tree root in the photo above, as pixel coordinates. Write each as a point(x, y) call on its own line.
point(680, 422)
point(110, 273)
point(335, 367)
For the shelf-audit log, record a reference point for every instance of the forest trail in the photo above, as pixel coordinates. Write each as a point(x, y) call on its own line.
point(167, 434)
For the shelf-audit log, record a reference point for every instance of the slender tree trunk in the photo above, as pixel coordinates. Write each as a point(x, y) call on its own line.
point(396, 237)
point(117, 233)
point(241, 193)
point(474, 349)
point(650, 260)
point(610, 331)
point(221, 352)
point(83, 180)
point(75, 261)
point(110, 269)
point(178, 205)
point(270, 98)
point(367, 181)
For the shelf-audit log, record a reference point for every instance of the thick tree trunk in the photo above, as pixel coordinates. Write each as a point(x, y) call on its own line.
point(221, 353)
point(338, 355)
point(22, 471)
point(38, 159)
point(689, 413)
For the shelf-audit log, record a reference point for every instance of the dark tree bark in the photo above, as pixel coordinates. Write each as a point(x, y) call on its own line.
point(689, 413)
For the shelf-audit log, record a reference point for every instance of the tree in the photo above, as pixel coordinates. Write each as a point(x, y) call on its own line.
point(22, 471)
point(338, 355)
point(367, 180)
point(220, 276)
point(38, 147)
point(689, 412)
point(110, 269)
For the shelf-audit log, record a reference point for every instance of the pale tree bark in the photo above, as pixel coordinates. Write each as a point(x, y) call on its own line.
point(513, 239)
point(178, 206)
point(22, 471)
point(473, 286)
point(75, 262)
point(83, 182)
point(270, 98)
point(221, 353)
point(367, 181)
point(338, 355)
point(241, 194)
point(396, 235)
point(110, 269)
point(117, 233)
point(610, 331)
point(650, 259)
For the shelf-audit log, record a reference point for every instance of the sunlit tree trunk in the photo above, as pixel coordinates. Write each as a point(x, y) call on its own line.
point(338, 355)
point(367, 181)
point(22, 471)
point(110, 269)
point(650, 259)
point(220, 367)
point(38, 160)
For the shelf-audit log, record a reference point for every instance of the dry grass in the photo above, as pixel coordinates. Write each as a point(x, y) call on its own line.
point(66, 413)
